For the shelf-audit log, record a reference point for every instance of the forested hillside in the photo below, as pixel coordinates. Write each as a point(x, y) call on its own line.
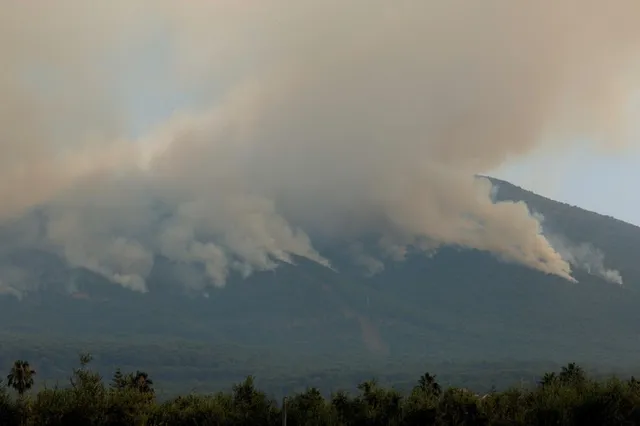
point(306, 323)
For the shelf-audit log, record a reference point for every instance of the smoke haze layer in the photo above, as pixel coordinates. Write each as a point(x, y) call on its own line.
point(309, 119)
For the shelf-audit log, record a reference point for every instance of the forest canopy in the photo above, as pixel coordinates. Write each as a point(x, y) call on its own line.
point(566, 397)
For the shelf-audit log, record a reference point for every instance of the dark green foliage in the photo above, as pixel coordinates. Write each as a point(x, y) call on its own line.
point(566, 398)
point(428, 385)
point(9, 410)
point(310, 408)
point(20, 377)
point(139, 382)
point(306, 327)
point(118, 381)
point(459, 305)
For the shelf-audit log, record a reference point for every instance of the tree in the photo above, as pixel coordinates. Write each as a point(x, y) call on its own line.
point(428, 384)
point(141, 382)
point(343, 405)
point(20, 377)
point(251, 406)
point(377, 405)
point(548, 379)
point(84, 379)
point(309, 408)
point(118, 381)
point(572, 374)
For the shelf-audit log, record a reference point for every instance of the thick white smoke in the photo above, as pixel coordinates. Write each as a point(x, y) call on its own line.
point(310, 117)
point(586, 257)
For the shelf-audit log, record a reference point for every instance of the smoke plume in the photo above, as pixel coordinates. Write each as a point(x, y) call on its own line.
point(308, 119)
point(586, 257)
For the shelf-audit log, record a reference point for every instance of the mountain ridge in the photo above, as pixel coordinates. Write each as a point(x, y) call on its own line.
point(456, 304)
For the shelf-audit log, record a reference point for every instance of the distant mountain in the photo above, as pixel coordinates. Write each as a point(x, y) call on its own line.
point(617, 239)
point(457, 305)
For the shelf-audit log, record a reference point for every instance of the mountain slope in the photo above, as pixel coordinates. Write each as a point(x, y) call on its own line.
point(619, 240)
point(456, 305)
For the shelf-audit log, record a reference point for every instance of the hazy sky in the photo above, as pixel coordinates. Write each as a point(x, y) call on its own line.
point(604, 183)
point(238, 134)
point(594, 179)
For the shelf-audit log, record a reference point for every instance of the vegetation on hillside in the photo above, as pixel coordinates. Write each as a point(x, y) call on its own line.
point(181, 366)
point(566, 397)
point(308, 325)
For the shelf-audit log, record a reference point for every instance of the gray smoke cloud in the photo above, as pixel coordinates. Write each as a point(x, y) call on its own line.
point(309, 118)
point(586, 257)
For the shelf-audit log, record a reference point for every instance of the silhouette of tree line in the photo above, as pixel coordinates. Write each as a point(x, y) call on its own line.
point(567, 397)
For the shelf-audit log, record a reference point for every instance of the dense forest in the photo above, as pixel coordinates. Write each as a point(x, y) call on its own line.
point(566, 397)
point(482, 327)
point(424, 309)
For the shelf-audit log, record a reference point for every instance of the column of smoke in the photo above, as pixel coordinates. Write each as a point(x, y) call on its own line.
point(321, 118)
point(586, 257)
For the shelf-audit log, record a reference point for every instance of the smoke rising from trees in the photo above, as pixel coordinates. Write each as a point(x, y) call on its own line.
point(310, 118)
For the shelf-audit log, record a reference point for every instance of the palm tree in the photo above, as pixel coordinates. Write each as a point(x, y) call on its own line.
point(572, 373)
point(20, 377)
point(428, 384)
